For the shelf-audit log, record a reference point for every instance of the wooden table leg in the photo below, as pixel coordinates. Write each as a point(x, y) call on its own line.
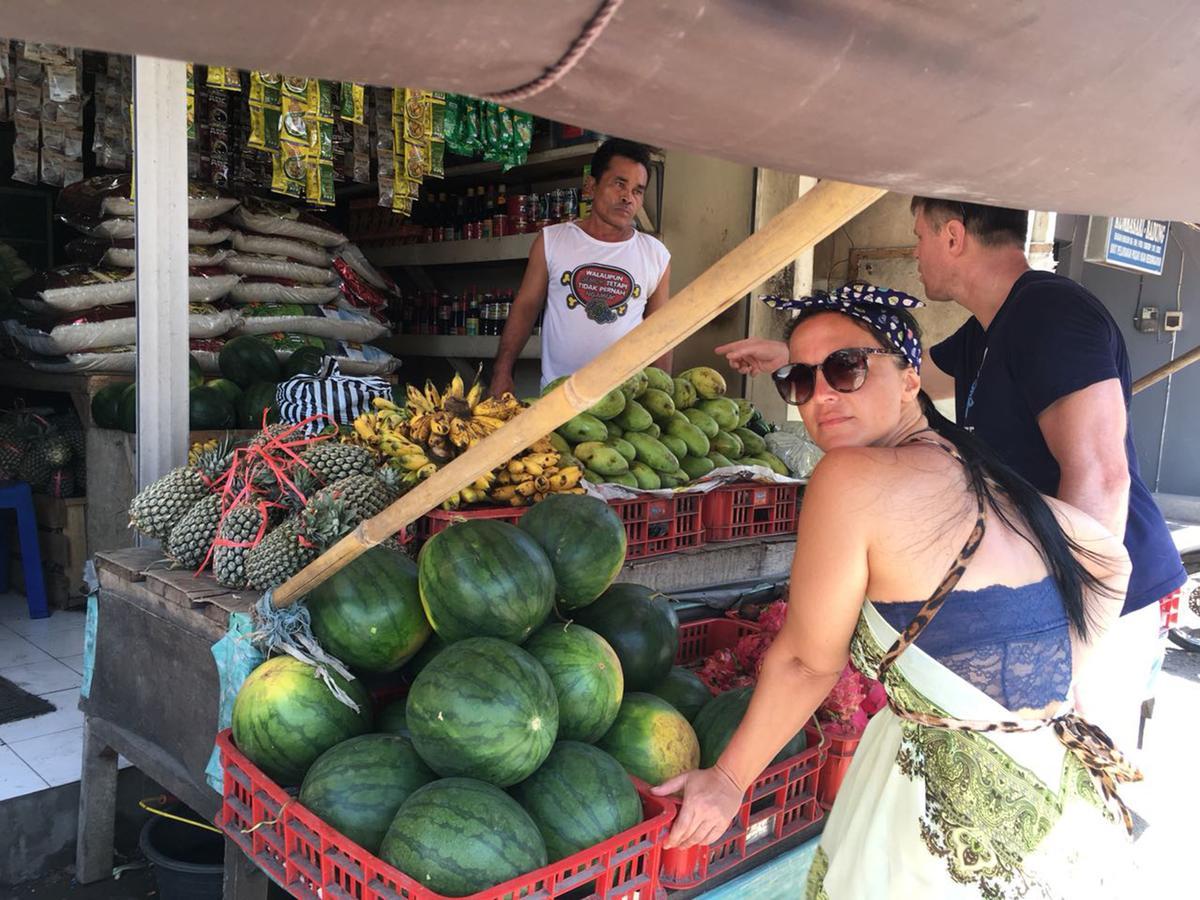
point(97, 808)
point(243, 880)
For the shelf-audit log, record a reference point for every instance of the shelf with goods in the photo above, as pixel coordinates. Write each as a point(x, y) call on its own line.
point(454, 346)
point(511, 247)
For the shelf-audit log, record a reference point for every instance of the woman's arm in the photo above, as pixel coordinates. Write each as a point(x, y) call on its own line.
point(828, 584)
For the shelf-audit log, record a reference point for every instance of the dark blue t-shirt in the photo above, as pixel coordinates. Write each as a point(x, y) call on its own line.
point(1052, 337)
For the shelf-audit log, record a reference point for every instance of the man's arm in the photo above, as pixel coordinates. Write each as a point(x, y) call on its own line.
point(937, 384)
point(656, 301)
point(531, 297)
point(1085, 432)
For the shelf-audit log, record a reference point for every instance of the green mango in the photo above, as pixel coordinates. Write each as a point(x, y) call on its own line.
point(653, 453)
point(655, 430)
point(696, 466)
point(745, 411)
point(727, 444)
point(647, 478)
point(558, 442)
point(723, 410)
point(582, 428)
point(658, 403)
point(718, 460)
point(778, 466)
point(672, 479)
point(683, 393)
point(703, 421)
point(752, 443)
point(592, 476)
point(601, 458)
point(623, 447)
point(553, 384)
point(709, 383)
point(658, 379)
point(634, 417)
point(610, 406)
point(674, 444)
point(635, 386)
point(696, 440)
point(566, 460)
point(614, 430)
point(625, 479)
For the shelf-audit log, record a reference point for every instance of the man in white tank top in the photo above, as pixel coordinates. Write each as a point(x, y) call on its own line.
point(597, 277)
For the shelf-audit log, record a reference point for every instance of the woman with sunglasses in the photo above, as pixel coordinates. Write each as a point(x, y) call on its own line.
point(984, 600)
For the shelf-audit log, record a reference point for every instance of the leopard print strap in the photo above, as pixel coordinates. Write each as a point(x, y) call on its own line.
point(1094, 749)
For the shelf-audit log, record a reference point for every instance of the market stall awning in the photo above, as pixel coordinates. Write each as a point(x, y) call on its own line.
point(1075, 105)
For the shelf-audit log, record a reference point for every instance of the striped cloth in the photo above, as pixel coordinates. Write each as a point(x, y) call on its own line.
point(342, 397)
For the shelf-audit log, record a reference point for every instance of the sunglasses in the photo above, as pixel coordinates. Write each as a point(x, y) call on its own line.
point(845, 371)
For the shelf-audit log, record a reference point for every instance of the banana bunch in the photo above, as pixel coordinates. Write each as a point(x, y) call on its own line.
point(447, 423)
point(530, 477)
point(384, 431)
point(199, 451)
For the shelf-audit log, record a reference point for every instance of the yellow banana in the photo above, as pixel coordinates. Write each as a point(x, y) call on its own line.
point(518, 500)
point(460, 435)
point(541, 459)
point(527, 488)
point(413, 462)
point(439, 424)
point(565, 479)
point(484, 481)
point(364, 428)
point(504, 492)
point(454, 501)
point(456, 389)
point(475, 394)
point(426, 470)
point(382, 403)
point(532, 467)
point(516, 467)
point(490, 422)
point(542, 483)
point(542, 445)
point(432, 397)
point(417, 402)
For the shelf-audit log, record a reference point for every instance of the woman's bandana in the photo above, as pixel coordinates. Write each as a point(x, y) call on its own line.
point(867, 303)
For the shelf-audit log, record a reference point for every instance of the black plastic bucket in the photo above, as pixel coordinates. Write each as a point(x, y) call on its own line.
point(188, 861)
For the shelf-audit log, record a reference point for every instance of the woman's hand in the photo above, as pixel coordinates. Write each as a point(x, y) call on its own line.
point(710, 801)
point(755, 356)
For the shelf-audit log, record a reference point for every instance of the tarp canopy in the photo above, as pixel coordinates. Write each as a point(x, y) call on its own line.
point(1087, 106)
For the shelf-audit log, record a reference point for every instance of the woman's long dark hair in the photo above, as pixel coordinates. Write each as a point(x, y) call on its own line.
point(991, 478)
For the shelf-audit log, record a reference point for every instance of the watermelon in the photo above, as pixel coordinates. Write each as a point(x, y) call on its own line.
point(358, 785)
point(195, 375)
point(583, 539)
point(578, 798)
point(368, 614)
point(428, 651)
point(305, 361)
point(651, 739)
point(284, 717)
point(209, 408)
point(247, 359)
point(256, 398)
point(483, 708)
point(684, 690)
point(127, 409)
point(720, 718)
point(587, 678)
point(485, 578)
point(391, 719)
point(231, 391)
point(641, 626)
point(106, 405)
point(459, 836)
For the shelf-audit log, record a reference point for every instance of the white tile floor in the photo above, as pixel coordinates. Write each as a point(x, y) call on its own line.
point(45, 657)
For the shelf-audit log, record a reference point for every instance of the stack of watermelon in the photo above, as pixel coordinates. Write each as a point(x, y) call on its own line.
point(529, 707)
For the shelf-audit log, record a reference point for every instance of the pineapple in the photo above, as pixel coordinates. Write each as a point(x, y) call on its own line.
point(332, 461)
point(158, 508)
point(34, 467)
point(271, 432)
point(336, 509)
point(282, 553)
point(242, 525)
point(192, 536)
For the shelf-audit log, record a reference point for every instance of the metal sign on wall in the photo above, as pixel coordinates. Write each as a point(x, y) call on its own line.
point(1139, 245)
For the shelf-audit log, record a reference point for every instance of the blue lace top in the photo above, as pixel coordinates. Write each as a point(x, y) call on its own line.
point(1013, 643)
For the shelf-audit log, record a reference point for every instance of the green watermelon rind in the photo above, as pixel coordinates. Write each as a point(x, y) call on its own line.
point(485, 578)
point(651, 739)
point(579, 797)
point(284, 717)
point(483, 708)
point(368, 614)
point(585, 541)
point(459, 836)
point(684, 690)
point(587, 678)
point(640, 625)
point(357, 785)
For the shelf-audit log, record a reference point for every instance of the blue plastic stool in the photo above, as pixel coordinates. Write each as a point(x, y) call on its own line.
point(16, 495)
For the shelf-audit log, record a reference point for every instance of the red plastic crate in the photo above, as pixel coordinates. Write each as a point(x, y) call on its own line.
point(734, 512)
point(841, 751)
point(440, 519)
point(658, 525)
point(782, 802)
point(701, 638)
point(1168, 608)
point(309, 859)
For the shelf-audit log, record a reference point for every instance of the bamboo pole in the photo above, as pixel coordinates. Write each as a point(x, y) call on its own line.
point(813, 217)
point(1163, 371)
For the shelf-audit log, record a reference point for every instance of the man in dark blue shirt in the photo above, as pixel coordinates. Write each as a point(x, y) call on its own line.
point(1040, 372)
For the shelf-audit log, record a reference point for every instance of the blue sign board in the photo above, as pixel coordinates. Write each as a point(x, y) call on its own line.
point(1137, 244)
